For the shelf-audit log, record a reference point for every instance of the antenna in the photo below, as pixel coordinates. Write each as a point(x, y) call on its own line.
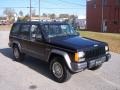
point(30, 10)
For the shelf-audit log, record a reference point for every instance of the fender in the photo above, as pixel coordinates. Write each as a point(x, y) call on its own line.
point(64, 55)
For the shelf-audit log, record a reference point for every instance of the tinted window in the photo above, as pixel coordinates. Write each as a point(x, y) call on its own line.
point(15, 29)
point(58, 30)
point(25, 31)
point(39, 35)
point(53, 30)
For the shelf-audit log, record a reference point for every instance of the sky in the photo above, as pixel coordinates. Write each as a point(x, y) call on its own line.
point(76, 7)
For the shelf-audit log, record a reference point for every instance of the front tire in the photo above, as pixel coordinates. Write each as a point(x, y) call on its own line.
point(18, 56)
point(59, 70)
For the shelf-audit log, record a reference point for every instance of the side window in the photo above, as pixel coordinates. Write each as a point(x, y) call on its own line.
point(15, 29)
point(46, 29)
point(33, 29)
point(54, 30)
point(39, 35)
point(25, 33)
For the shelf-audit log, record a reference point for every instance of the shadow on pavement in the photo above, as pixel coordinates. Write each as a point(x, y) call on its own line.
point(33, 63)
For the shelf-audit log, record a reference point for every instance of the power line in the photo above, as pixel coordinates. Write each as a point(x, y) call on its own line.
point(18, 7)
point(72, 3)
point(40, 8)
point(60, 8)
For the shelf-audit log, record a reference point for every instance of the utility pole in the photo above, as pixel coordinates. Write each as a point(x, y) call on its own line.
point(102, 4)
point(39, 10)
point(30, 10)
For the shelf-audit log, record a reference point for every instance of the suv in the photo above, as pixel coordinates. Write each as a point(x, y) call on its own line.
point(58, 44)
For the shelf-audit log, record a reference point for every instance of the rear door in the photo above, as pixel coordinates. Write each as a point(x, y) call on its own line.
point(25, 37)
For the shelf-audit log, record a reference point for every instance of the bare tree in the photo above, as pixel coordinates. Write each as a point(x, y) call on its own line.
point(64, 16)
point(26, 18)
point(52, 16)
point(44, 15)
point(9, 13)
point(21, 13)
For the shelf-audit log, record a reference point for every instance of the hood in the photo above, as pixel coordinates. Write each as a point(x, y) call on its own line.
point(74, 42)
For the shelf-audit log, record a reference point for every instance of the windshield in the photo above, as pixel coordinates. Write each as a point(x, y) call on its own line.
point(59, 30)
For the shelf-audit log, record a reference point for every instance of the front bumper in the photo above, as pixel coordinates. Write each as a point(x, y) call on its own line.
point(77, 67)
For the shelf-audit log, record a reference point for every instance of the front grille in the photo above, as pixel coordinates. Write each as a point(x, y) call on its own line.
point(95, 52)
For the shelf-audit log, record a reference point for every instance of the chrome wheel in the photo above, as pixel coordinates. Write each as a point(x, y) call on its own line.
point(16, 53)
point(57, 69)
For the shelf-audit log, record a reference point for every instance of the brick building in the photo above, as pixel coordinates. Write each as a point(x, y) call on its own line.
point(103, 15)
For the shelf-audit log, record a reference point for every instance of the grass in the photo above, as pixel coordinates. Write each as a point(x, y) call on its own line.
point(5, 27)
point(112, 39)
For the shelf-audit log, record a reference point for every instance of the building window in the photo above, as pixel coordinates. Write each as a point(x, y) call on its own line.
point(94, 3)
point(116, 22)
point(104, 2)
point(118, 2)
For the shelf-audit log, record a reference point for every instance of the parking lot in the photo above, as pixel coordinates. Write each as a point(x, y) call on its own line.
point(32, 74)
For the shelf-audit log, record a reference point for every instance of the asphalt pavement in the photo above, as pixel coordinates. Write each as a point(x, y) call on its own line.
point(32, 74)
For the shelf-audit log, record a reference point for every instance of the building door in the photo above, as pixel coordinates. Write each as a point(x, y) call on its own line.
point(104, 26)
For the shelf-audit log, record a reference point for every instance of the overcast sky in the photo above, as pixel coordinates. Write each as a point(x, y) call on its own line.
point(76, 7)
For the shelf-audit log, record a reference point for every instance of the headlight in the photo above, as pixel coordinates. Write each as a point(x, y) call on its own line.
point(79, 56)
point(106, 48)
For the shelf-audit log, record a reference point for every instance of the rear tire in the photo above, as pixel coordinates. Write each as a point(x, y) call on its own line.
point(18, 56)
point(59, 70)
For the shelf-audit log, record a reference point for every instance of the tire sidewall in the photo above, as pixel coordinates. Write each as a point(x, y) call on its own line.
point(21, 56)
point(65, 70)
point(15, 47)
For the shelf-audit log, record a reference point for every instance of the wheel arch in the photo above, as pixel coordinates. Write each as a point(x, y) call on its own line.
point(18, 44)
point(62, 54)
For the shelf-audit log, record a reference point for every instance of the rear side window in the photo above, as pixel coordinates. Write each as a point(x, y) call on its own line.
point(25, 31)
point(15, 29)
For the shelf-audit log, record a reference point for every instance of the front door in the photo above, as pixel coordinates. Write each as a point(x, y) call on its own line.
point(37, 48)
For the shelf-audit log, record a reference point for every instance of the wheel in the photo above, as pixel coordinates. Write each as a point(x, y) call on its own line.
point(17, 54)
point(59, 70)
point(95, 67)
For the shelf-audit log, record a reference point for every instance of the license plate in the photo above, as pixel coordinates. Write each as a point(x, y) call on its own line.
point(99, 62)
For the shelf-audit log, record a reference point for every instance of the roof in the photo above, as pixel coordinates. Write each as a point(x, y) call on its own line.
point(44, 22)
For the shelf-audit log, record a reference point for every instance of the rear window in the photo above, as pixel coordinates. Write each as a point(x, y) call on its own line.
point(15, 29)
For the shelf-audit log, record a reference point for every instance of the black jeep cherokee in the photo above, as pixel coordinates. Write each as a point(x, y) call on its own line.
point(58, 44)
